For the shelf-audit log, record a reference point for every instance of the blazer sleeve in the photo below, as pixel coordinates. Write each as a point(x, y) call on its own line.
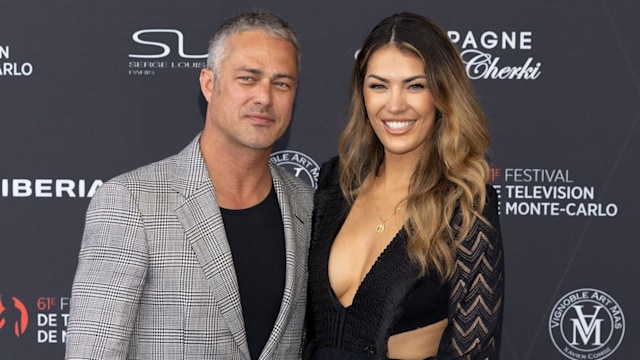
point(477, 292)
point(111, 273)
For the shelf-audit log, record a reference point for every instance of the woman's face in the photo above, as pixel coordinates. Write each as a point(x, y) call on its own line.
point(398, 102)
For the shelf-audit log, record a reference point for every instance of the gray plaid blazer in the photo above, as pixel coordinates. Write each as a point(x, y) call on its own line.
point(155, 277)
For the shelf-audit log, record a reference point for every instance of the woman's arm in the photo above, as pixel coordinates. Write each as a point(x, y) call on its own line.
point(477, 292)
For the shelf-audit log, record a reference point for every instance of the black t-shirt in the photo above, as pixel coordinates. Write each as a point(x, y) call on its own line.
point(256, 238)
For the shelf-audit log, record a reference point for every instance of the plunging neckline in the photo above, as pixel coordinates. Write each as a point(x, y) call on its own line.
point(366, 276)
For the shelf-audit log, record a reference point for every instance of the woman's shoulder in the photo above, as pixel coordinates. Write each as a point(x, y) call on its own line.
point(329, 173)
point(328, 195)
point(486, 228)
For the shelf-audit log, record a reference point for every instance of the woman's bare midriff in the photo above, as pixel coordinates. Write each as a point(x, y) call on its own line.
point(417, 344)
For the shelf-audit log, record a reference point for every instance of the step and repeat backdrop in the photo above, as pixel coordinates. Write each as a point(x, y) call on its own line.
point(89, 90)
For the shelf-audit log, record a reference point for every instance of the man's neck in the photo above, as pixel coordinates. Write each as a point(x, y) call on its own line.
point(240, 179)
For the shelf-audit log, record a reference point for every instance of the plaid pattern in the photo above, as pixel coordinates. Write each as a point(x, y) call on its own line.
point(155, 277)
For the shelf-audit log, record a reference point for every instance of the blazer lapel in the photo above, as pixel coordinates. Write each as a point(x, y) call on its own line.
point(204, 229)
point(295, 232)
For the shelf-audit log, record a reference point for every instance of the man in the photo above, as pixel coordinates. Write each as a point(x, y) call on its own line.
point(203, 255)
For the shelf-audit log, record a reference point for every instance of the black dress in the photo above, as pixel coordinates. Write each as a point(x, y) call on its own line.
point(385, 302)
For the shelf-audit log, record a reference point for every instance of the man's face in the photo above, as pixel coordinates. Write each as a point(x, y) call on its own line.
point(251, 102)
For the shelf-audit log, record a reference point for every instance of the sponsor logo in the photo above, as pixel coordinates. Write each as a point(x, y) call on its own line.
point(161, 50)
point(48, 188)
point(9, 67)
point(53, 318)
point(586, 324)
point(479, 49)
point(547, 192)
point(478, 54)
point(299, 164)
point(50, 317)
point(14, 317)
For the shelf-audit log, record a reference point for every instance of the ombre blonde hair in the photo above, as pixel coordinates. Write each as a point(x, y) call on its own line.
point(452, 171)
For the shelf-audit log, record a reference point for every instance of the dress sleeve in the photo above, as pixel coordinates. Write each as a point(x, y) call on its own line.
point(477, 292)
point(111, 272)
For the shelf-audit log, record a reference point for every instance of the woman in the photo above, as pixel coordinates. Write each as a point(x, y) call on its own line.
point(406, 256)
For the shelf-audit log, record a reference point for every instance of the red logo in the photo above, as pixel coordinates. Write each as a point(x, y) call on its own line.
point(13, 316)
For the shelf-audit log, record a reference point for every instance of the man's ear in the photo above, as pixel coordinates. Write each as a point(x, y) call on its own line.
point(206, 83)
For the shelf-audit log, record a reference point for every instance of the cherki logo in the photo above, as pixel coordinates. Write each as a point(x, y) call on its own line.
point(477, 53)
point(13, 316)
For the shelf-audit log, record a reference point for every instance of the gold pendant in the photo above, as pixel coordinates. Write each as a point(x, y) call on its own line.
point(380, 228)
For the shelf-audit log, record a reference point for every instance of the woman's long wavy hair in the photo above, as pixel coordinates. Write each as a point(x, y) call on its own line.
point(452, 171)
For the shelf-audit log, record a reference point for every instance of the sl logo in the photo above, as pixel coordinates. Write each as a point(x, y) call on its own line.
point(166, 47)
point(13, 316)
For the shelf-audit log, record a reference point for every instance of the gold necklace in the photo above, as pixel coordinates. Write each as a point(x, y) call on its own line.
point(380, 227)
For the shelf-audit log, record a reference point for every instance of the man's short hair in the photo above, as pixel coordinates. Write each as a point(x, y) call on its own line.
point(261, 20)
